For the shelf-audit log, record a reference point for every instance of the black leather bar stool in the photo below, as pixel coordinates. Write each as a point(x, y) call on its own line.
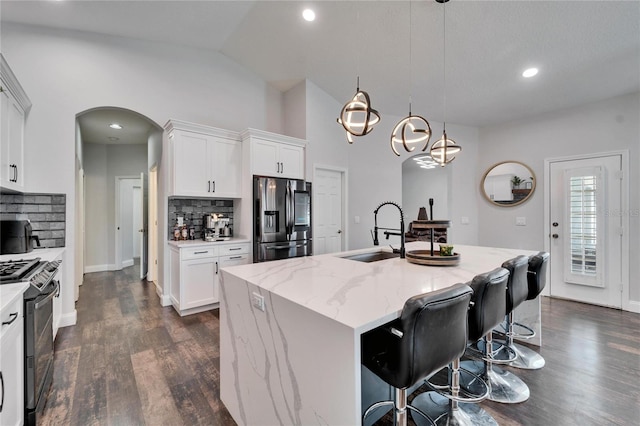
point(458, 407)
point(486, 313)
point(526, 358)
point(430, 333)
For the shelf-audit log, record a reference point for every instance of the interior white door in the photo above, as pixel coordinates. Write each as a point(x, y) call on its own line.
point(144, 222)
point(328, 216)
point(586, 230)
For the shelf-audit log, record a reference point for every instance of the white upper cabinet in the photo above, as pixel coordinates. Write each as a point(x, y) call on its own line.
point(14, 106)
point(275, 155)
point(206, 162)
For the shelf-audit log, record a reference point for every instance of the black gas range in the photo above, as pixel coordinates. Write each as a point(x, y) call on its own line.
point(38, 327)
point(36, 272)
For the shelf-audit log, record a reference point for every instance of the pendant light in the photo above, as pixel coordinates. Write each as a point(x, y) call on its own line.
point(357, 117)
point(412, 130)
point(444, 150)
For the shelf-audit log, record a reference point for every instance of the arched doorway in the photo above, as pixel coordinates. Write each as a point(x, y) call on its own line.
point(117, 153)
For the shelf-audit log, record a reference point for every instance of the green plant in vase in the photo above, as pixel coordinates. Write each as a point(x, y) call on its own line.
point(516, 181)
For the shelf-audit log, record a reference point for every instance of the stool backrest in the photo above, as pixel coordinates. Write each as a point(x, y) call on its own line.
point(537, 274)
point(517, 286)
point(435, 333)
point(488, 302)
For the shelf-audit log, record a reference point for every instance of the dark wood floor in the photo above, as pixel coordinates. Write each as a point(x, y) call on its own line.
point(131, 362)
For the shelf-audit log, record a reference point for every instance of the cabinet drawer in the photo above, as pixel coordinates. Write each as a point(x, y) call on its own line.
point(11, 314)
point(234, 259)
point(198, 252)
point(231, 249)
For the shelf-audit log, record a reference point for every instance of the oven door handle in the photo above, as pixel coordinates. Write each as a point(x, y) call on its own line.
point(44, 301)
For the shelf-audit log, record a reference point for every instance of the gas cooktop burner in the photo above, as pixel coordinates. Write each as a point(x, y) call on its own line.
point(14, 270)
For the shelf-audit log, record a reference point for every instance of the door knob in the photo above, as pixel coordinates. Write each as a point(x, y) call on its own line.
point(339, 231)
point(555, 235)
point(555, 224)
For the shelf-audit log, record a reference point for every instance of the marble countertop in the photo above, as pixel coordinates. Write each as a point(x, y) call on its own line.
point(200, 243)
point(362, 295)
point(47, 254)
point(10, 292)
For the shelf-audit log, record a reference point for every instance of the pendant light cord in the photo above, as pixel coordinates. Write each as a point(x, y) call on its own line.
point(410, 59)
point(444, 66)
point(358, 50)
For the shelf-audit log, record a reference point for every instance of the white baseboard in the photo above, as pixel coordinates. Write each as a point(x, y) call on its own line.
point(99, 268)
point(69, 319)
point(633, 306)
point(126, 263)
point(165, 299)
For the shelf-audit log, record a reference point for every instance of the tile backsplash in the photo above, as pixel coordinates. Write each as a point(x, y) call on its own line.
point(197, 208)
point(47, 213)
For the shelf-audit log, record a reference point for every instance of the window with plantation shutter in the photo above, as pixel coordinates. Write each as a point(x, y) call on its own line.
point(583, 236)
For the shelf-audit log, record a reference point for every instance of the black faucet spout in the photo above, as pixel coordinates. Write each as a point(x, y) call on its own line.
point(375, 232)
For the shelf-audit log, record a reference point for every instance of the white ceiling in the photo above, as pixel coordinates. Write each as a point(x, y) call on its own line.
point(586, 50)
point(94, 127)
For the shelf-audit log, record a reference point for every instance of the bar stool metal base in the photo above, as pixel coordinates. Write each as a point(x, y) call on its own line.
point(440, 408)
point(526, 358)
point(504, 386)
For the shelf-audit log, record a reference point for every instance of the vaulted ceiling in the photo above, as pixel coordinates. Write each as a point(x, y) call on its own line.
point(585, 50)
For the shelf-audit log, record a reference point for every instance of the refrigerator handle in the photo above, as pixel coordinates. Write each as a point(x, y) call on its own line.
point(287, 209)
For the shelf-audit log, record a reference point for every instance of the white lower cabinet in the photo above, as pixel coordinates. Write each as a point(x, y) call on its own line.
point(195, 274)
point(12, 365)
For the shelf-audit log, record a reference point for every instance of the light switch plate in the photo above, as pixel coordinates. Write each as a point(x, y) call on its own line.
point(464, 220)
point(356, 219)
point(257, 300)
point(521, 221)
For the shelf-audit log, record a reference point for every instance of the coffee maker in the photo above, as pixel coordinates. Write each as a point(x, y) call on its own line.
point(215, 227)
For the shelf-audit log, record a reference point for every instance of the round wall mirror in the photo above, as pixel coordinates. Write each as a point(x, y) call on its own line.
point(508, 183)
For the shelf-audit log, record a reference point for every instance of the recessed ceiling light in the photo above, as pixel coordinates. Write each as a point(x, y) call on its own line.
point(113, 138)
point(115, 126)
point(309, 15)
point(530, 72)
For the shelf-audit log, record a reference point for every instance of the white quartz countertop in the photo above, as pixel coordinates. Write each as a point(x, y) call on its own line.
point(10, 292)
point(201, 243)
point(47, 254)
point(365, 295)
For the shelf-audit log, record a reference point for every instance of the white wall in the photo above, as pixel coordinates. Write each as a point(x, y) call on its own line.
point(96, 255)
point(67, 72)
point(418, 185)
point(608, 125)
point(102, 164)
point(295, 113)
point(375, 175)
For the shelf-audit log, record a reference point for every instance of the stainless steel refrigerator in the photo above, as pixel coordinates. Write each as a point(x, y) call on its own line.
point(281, 218)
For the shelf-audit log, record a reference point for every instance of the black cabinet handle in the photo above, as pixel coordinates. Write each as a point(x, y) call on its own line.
point(13, 317)
point(235, 248)
point(209, 183)
point(2, 401)
point(16, 170)
point(216, 268)
point(235, 257)
point(214, 185)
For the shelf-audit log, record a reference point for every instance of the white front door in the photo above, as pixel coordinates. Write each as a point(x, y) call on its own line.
point(586, 230)
point(328, 211)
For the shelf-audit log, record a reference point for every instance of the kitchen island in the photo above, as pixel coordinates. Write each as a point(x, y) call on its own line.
point(290, 330)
